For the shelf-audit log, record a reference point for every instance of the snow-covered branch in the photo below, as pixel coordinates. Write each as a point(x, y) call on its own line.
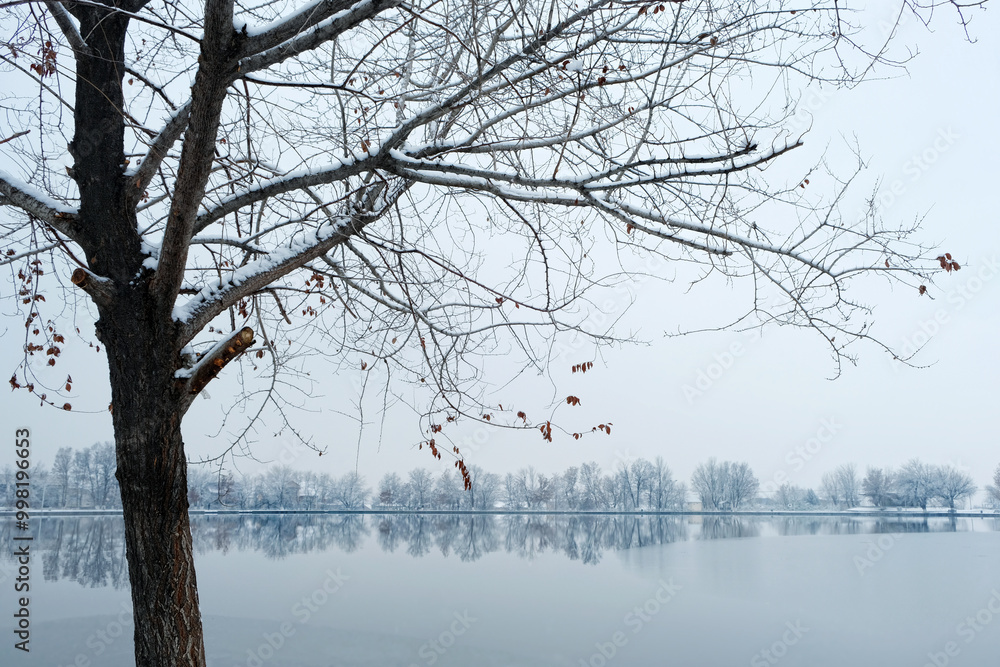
point(324, 32)
point(298, 180)
point(170, 133)
point(38, 204)
point(264, 38)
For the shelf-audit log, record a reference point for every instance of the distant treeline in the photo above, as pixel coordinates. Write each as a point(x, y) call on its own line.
point(85, 479)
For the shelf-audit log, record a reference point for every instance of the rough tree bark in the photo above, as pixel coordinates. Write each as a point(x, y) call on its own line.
point(143, 354)
point(152, 472)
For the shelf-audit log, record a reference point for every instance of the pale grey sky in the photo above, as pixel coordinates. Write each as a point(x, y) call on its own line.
point(930, 140)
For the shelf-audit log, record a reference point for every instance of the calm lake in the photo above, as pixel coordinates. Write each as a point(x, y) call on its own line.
point(406, 590)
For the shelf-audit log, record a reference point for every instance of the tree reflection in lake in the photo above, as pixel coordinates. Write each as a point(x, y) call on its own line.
point(91, 549)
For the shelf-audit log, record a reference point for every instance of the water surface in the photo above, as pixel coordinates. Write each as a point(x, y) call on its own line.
point(407, 590)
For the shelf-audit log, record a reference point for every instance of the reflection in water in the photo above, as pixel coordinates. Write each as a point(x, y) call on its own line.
point(91, 550)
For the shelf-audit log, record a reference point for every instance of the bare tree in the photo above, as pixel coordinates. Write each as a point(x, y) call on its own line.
point(829, 488)
point(352, 492)
point(993, 490)
point(103, 467)
point(724, 486)
point(62, 466)
point(535, 490)
point(665, 493)
point(877, 486)
point(447, 491)
point(419, 488)
point(513, 497)
point(569, 488)
point(842, 486)
point(7, 486)
point(388, 494)
point(849, 484)
point(626, 486)
point(332, 177)
point(41, 476)
point(709, 482)
point(915, 483)
point(82, 479)
point(954, 486)
point(741, 484)
point(280, 486)
point(593, 490)
point(789, 496)
point(484, 488)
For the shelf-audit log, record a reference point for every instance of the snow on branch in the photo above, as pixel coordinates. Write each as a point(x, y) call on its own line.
point(323, 32)
point(38, 204)
point(297, 180)
point(254, 276)
point(271, 35)
point(99, 288)
point(170, 133)
point(734, 162)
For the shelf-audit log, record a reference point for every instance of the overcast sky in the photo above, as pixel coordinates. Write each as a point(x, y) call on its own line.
point(931, 140)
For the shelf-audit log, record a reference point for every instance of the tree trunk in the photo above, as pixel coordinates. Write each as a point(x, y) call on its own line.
point(152, 474)
point(141, 342)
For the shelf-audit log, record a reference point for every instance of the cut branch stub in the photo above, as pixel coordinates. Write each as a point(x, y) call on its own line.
point(215, 361)
point(99, 289)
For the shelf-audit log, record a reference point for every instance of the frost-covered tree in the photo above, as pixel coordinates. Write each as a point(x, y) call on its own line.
point(352, 493)
point(789, 496)
point(419, 488)
point(220, 178)
point(877, 486)
point(665, 493)
point(709, 482)
point(62, 467)
point(993, 490)
point(389, 491)
point(593, 496)
point(741, 484)
point(724, 486)
point(916, 483)
point(850, 485)
point(484, 490)
point(953, 486)
point(448, 492)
